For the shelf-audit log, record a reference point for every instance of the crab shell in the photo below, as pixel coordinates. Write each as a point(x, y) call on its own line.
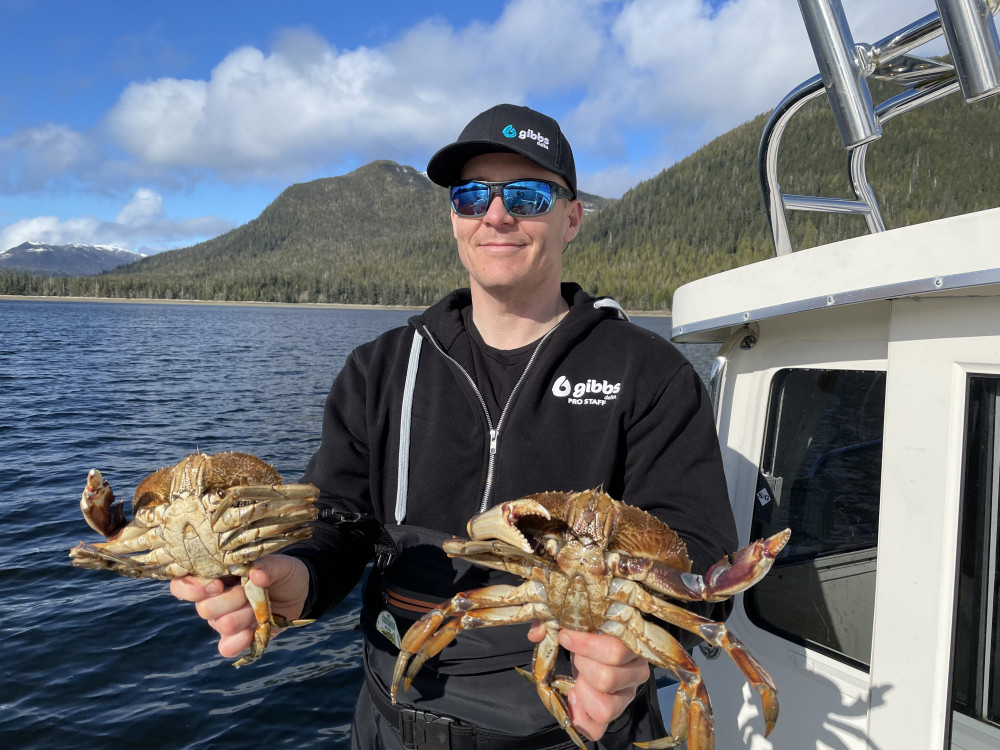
point(206, 516)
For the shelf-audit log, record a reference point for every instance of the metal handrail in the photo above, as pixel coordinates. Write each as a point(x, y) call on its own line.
point(926, 80)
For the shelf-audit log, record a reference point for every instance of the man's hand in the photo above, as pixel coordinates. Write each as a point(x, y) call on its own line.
point(226, 607)
point(608, 675)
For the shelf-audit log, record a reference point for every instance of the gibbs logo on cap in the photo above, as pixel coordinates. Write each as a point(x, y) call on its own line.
point(526, 135)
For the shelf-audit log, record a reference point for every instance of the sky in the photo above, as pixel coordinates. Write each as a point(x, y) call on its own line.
point(156, 125)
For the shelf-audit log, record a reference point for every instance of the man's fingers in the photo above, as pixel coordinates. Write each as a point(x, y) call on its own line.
point(235, 644)
point(596, 646)
point(191, 589)
point(607, 676)
point(216, 607)
point(273, 570)
point(224, 605)
point(287, 582)
point(537, 631)
point(598, 706)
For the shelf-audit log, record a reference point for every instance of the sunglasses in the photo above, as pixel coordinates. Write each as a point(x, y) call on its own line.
point(520, 197)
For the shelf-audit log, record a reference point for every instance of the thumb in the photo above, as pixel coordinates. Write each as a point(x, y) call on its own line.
point(274, 569)
point(286, 579)
point(537, 632)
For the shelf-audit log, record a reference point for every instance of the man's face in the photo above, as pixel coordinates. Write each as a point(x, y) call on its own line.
point(509, 257)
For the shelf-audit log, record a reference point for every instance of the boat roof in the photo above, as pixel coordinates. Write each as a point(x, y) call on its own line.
point(956, 254)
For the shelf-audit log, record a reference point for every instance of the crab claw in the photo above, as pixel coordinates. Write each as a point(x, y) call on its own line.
point(748, 566)
point(500, 522)
point(100, 510)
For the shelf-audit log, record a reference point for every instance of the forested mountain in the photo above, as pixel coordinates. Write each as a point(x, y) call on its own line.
point(381, 234)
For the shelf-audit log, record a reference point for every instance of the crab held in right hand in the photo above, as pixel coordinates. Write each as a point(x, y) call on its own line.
point(594, 564)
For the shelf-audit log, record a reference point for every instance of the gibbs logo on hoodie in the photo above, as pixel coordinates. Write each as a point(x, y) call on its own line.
point(590, 392)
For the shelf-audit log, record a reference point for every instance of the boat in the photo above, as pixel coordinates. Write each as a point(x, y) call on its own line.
point(857, 398)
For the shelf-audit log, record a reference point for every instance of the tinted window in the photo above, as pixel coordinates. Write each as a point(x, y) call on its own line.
point(976, 678)
point(823, 461)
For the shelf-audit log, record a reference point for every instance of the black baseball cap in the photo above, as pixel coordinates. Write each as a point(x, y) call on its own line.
point(507, 127)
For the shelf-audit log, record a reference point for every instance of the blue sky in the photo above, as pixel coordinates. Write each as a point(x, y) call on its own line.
point(155, 125)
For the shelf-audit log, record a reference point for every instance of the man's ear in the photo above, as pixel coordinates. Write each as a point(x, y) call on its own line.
point(574, 217)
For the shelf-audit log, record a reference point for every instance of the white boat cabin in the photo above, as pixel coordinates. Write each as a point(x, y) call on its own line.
point(859, 382)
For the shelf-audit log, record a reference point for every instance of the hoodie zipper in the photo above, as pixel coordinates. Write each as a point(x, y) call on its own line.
point(494, 431)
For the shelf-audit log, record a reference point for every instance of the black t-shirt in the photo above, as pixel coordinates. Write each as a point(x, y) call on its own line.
point(497, 370)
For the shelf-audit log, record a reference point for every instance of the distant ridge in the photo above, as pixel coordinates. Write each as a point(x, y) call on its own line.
point(381, 234)
point(66, 260)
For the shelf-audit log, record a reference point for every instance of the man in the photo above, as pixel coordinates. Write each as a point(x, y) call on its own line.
point(519, 384)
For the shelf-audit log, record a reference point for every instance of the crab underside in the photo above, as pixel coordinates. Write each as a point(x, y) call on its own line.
point(594, 564)
point(206, 516)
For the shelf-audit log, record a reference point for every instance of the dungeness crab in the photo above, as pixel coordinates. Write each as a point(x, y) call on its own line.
point(594, 564)
point(207, 516)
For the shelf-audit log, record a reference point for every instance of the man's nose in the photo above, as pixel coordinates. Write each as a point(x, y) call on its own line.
point(496, 213)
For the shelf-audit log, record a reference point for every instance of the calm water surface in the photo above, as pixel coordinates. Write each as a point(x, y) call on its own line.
point(95, 660)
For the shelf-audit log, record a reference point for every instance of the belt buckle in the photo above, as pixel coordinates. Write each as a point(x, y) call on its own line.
point(420, 730)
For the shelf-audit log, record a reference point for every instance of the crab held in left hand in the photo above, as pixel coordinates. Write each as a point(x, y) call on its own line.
point(594, 564)
point(207, 516)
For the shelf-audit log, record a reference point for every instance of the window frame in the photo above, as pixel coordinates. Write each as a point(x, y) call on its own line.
point(986, 554)
point(863, 556)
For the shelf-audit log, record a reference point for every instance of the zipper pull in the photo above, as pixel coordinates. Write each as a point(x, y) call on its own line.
point(493, 442)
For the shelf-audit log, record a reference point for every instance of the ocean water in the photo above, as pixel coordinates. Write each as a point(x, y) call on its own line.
point(95, 660)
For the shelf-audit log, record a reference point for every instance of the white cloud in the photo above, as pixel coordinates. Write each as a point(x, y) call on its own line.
point(141, 225)
point(31, 157)
point(144, 207)
point(258, 112)
point(306, 101)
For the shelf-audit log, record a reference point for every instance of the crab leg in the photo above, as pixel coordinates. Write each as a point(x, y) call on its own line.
point(691, 719)
point(551, 693)
point(252, 502)
point(266, 621)
point(633, 595)
point(87, 555)
point(258, 534)
point(480, 608)
point(497, 555)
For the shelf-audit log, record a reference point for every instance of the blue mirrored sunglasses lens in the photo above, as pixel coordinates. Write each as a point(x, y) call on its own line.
point(470, 199)
point(527, 198)
point(521, 198)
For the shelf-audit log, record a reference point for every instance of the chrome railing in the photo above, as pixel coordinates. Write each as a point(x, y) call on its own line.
point(970, 32)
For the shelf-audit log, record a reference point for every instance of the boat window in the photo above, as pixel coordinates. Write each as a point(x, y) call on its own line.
point(976, 677)
point(822, 464)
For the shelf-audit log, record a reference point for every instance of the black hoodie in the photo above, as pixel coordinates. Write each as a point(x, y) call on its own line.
point(603, 402)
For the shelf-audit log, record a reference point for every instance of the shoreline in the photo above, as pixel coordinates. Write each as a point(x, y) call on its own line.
point(225, 303)
point(241, 303)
